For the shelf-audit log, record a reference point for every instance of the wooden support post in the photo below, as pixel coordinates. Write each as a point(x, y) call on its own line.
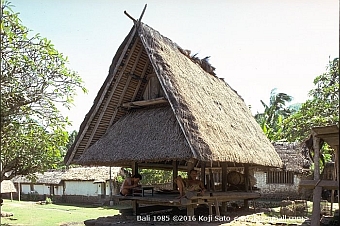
point(190, 166)
point(210, 208)
point(135, 207)
point(224, 176)
point(134, 168)
point(217, 207)
point(315, 221)
point(332, 201)
point(246, 185)
point(336, 171)
point(190, 210)
point(203, 173)
point(246, 178)
point(224, 208)
point(174, 174)
point(208, 179)
point(19, 191)
point(224, 166)
point(212, 180)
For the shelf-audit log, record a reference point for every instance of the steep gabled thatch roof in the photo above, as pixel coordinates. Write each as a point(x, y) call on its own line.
point(72, 174)
point(209, 120)
point(292, 157)
point(7, 186)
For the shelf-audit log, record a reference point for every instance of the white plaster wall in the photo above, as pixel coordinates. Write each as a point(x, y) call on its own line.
point(107, 184)
point(42, 189)
point(87, 188)
point(25, 188)
point(58, 190)
point(108, 188)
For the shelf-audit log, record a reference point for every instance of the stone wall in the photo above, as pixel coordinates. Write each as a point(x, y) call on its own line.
point(277, 191)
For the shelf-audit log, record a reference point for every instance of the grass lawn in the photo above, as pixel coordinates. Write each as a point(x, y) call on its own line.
point(30, 213)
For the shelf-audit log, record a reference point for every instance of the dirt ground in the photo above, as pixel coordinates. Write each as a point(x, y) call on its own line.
point(178, 217)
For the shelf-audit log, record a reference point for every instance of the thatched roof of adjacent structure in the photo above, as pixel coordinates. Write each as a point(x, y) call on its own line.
point(7, 186)
point(72, 174)
point(292, 156)
point(201, 117)
point(53, 177)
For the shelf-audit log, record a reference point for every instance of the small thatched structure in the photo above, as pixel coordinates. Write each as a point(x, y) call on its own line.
point(55, 177)
point(158, 105)
point(282, 183)
point(292, 157)
point(7, 186)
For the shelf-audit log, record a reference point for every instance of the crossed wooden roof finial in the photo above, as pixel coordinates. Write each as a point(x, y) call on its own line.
point(136, 22)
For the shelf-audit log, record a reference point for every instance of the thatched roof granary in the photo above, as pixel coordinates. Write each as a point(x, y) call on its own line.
point(7, 186)
point(158, 105)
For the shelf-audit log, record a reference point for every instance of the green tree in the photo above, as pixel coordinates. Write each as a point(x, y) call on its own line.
point(322, 109)
point(274, 113)
point(71, 138)
point(35, 84)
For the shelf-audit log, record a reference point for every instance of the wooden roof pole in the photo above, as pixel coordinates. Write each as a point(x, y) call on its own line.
point(203, 172)
point(315, 221)
point(133, 19)
point(128, 15)
point(335, 176)
point(336, 165)
point(174, 174)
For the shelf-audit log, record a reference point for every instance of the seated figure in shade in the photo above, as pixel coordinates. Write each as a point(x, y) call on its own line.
point(191, 186)
point(129, 183)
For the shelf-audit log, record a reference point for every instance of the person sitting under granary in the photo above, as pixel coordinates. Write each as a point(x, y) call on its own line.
point(191, 186)
point(129, 183)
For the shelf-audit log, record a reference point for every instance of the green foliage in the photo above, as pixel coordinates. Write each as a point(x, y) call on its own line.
point(48, 200)
point(71, 139)
point(322, 109)
point(153, 176)
point(29, 148)
point(34, 83)
point(119, 179)
point(274, 113)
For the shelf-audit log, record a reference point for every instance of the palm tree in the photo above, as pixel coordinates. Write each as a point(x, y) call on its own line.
point(274, 113)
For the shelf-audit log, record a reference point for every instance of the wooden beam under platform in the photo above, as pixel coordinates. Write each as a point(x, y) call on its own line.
point(211, 198)
point(143, 103)
point(326, 184)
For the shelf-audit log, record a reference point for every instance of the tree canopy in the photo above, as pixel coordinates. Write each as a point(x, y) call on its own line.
point(294, 123)
point(321, 109)
point(35, 85)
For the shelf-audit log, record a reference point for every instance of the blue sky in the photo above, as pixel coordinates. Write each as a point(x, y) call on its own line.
point(256, 45)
